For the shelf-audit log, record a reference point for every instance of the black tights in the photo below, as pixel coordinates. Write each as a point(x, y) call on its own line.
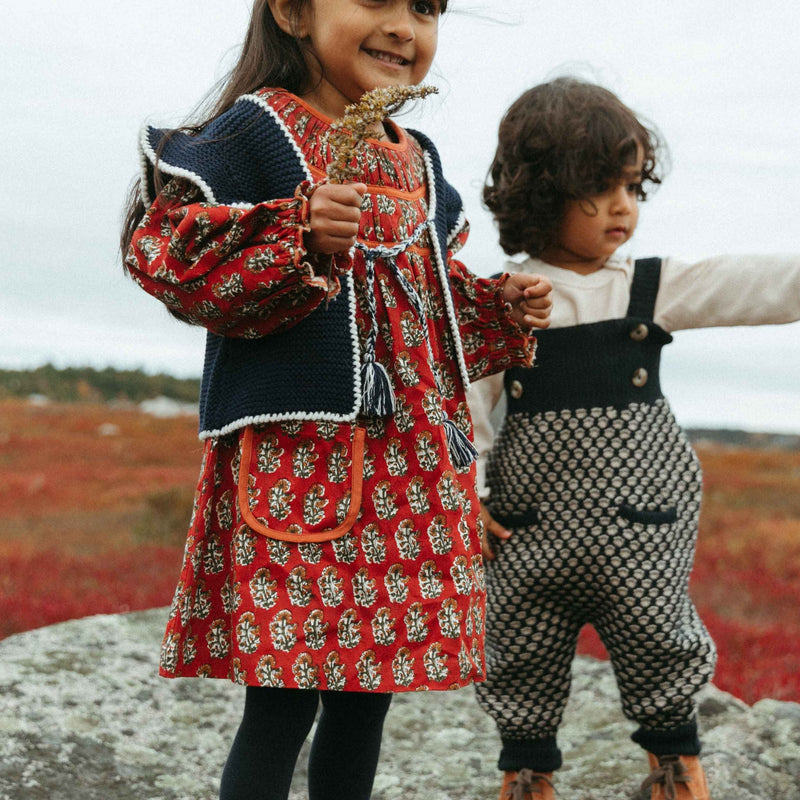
point(276, 722)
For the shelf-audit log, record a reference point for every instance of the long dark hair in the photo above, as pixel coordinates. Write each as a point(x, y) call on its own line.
point(560, 141)
point(269, 57)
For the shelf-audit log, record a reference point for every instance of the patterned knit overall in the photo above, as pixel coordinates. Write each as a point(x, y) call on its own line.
point(602, 491)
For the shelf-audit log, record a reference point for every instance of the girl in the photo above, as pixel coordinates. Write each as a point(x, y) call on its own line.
point(333, 551)
point(592, 491)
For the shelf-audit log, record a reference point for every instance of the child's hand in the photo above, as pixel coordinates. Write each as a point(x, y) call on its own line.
point(491, 525)
point(334, 214)
point(530, 299)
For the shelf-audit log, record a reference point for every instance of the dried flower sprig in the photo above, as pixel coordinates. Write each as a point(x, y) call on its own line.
point(347, 132)
point(355, 125)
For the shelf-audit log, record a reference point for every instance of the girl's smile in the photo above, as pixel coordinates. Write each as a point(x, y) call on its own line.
point(353, 46)
point(387, 58)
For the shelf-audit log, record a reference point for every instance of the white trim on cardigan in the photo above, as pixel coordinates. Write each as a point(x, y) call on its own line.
point(326, 416)
point(260, 101)
point(456, 229)
point(147, 153)
point(441, 266)
point(177, 172)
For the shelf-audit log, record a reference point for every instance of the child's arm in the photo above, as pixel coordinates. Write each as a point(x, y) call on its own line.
point(482, 398)
point(237, 271)
point(728, 290)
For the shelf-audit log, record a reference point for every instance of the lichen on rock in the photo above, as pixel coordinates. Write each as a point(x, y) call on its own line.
point(84, 716)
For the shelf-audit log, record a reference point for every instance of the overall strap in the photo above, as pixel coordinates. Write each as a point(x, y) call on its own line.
point(646, 275)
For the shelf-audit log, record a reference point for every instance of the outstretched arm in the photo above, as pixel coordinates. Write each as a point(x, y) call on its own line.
point(729, 290)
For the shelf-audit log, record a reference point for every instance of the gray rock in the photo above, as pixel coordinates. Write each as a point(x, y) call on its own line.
point(84, 716)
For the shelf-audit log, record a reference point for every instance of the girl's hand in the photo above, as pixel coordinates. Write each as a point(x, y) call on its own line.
point(334, 214)
point(530, 297)
point(491, 525)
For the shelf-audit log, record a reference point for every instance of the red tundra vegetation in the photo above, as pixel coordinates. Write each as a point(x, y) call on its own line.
point(95, 500)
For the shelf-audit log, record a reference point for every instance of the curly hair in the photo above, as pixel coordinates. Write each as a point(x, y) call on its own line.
point(560, 141)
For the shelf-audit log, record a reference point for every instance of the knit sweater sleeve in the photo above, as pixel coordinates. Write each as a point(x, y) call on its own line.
point(236, 271)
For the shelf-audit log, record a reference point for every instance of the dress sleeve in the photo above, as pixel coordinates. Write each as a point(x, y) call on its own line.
point(728, 290)
point(492, 340)
point(236, 271)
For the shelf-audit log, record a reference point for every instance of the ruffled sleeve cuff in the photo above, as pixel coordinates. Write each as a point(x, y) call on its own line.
point(493, 341)
point(520, 343)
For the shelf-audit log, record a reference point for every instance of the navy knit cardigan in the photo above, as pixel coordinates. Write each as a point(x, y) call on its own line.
point(312, 370)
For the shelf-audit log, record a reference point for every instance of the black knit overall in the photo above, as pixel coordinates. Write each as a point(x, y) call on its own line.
point(602, 491)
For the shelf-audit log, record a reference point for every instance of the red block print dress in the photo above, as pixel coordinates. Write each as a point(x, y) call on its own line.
point(395, 601)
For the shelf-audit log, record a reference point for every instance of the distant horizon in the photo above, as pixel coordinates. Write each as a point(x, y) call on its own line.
point(691, 428)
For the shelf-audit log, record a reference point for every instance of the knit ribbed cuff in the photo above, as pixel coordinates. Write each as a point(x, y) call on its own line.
point(539, 755)
point(682, 741)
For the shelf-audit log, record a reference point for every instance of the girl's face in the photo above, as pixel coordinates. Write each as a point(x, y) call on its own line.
point(591, 230)
point(358, 45)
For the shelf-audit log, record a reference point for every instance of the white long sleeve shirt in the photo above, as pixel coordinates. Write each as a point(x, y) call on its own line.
point(715, 292)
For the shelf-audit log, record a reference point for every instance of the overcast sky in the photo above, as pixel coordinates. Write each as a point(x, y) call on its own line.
point(720, 80)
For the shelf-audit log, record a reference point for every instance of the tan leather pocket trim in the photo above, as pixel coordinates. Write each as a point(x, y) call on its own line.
point(356, 482)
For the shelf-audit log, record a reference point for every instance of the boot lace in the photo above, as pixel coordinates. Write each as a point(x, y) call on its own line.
point(526, 783)
point(669, 772)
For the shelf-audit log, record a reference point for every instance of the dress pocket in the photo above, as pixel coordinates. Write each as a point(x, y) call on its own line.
point(648, 516)
point(292, 502)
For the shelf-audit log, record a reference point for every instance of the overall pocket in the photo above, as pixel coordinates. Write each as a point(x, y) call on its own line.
point(648, 516)
point(311, 494)
point(516, 519)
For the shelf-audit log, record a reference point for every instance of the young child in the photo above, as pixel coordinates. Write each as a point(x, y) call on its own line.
point(591, 490)
point(334, 549)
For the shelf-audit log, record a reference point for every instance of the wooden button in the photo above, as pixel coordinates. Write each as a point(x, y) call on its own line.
point(639, 377)
point(639, 333)
point(516, 390)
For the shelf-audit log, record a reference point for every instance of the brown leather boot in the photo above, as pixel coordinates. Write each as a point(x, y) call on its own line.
point(527, 785)
point(674, 778)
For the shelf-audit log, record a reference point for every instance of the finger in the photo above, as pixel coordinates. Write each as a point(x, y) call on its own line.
point(537, 290)
point(336, 212)
point(496, 529)
point(534, 322)
point(486, 549)
point(338, 244)
point(348, 194)
point(335, 227)
point(540, 305)
point(330, 244)
point(539, 313)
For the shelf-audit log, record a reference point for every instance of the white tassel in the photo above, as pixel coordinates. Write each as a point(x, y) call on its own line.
point(377, 395)
point(462, 451)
